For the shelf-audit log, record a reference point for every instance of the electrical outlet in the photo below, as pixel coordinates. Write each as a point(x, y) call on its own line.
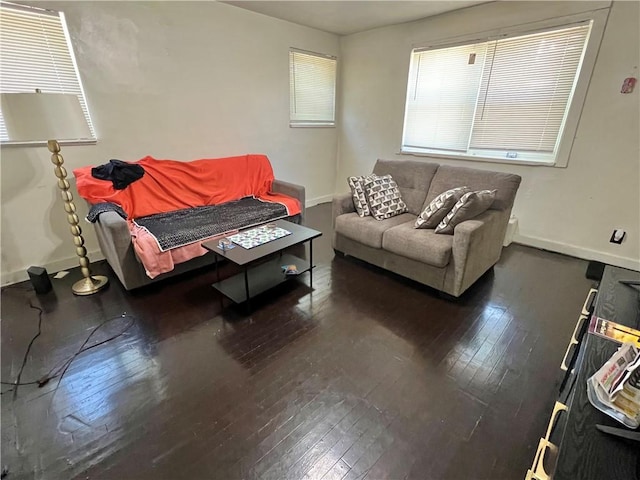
point(617, 236)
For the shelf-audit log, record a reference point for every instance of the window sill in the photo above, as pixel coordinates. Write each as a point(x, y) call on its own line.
point(43, 143)
point(474, 158)
point(312, 125)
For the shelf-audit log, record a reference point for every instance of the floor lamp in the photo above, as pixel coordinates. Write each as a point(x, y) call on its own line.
point(39, 116)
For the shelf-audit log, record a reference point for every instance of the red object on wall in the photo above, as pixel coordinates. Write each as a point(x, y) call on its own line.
point(627, 85)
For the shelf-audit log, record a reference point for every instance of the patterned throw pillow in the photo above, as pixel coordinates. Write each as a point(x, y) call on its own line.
point(359, 198)
point(439, 207)
point(470, 205)
point(384, 197)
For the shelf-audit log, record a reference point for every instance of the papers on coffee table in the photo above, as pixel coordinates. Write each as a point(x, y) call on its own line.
point(258, 236)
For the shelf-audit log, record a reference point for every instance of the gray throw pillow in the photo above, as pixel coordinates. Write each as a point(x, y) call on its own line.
point(439, 207)
point(359, 198)
point(469, 206)
point(384, 197)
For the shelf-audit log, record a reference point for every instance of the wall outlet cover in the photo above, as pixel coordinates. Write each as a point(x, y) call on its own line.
point(617, 236)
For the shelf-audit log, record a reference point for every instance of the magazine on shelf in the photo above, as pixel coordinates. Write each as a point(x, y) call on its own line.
point(615, 387)
point(614, 331)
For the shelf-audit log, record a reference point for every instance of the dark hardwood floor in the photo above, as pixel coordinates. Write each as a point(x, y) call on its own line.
point(367, 376)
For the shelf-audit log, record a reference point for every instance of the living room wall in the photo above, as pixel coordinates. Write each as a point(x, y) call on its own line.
point(179, 80)
point(570, 210)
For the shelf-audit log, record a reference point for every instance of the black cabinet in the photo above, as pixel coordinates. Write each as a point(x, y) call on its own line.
point(572, 448)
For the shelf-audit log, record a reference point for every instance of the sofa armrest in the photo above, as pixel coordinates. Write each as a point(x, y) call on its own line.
point(342, 203)
point(114, 230)
point(477, 245)
point(292, 190)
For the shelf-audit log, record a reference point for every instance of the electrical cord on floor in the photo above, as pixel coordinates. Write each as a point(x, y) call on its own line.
point(60, 369)
point(23, 288)
point(17, 383)
point(83, 348)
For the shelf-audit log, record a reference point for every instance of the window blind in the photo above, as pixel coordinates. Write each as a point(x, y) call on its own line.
point(36, 53)
point(506, 98)
point(312, 88)
point(526, 90)
point(441, 97)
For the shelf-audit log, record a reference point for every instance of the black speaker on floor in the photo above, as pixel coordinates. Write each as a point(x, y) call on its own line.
point(39, 279)
point(595, 270)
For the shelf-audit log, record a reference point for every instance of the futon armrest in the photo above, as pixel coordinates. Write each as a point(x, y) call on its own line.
point(112, 220)
point(114, 231)
point(292, 190)
point(287, 188)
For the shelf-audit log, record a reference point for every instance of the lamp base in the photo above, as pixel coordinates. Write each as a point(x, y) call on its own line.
point(90, 285)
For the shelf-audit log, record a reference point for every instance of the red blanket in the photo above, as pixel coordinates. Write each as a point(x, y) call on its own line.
point(169, 185)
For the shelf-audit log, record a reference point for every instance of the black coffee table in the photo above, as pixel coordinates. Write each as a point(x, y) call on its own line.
point(258, 275)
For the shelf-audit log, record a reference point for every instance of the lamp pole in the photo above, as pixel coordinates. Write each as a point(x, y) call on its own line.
point(90, 283)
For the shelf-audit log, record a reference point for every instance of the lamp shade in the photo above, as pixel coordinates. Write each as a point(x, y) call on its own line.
point(43, 116)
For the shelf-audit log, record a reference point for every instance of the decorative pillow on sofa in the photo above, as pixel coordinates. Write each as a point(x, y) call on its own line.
point(359, 198)
point(384, 197)
point(470, 205)
point(439, 207)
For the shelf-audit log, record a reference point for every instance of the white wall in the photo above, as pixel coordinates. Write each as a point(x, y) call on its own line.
point(180, 80)
point(570, 210)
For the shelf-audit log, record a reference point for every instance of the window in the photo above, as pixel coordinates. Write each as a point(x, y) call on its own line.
point(312, 89)
point(500, 99)
point(37, 53)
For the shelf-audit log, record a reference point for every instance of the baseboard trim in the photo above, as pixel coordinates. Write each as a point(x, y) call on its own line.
point(315, 201)
point(10, 278)
point(576, 251)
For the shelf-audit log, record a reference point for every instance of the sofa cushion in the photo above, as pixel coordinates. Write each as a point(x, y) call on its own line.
point(383, 196)
point(368, 230)
point(469, 206)
point(418, 244)
point(359, 198)
point(413, 179)
point(439, 207)
point(448, 177)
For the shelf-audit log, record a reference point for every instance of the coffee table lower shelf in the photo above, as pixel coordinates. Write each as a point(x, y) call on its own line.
point(260, 278)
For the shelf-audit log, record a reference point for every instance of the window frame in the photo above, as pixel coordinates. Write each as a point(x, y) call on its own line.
point(598, 18)
point(313, 123)
point(71, 52)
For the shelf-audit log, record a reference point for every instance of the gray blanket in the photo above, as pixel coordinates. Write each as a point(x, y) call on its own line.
point(182, 227)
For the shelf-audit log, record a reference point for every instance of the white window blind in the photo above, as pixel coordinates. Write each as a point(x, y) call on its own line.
point(312, 89)
point(442, 96)
point(505, 98)
point(37, 53)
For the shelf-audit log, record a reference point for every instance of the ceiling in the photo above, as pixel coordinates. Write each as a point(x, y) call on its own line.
point(347, 17)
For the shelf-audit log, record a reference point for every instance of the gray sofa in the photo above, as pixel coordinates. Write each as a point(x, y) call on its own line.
point(449, 263)
point(115, 243)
